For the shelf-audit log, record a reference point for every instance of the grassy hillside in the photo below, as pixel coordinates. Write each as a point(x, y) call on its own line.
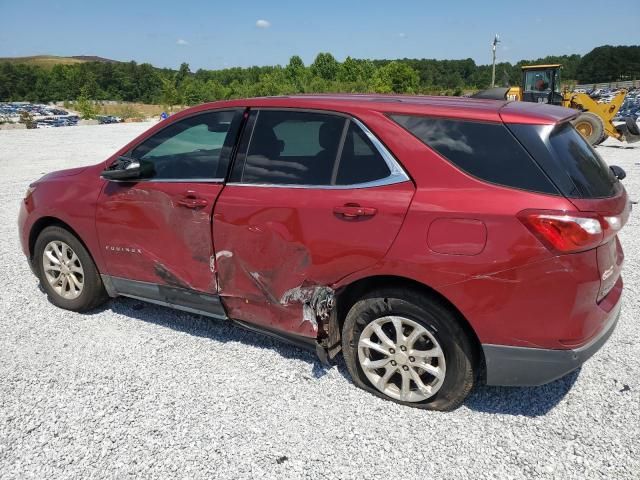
point(48, 61)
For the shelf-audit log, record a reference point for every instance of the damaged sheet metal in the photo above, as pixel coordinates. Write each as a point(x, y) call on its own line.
point(168, 276)
point(317, 302)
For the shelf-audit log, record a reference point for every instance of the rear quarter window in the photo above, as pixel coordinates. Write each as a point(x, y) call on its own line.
point(488, 151)
point(568, 159)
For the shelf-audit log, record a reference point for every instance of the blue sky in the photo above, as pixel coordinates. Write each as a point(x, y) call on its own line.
point(218, 34)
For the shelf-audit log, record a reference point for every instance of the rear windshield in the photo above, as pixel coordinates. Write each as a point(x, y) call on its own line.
point(488, 151)
point(568, 159)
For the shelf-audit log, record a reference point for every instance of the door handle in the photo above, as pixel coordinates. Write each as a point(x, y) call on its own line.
point(351, 211)
point(191, 200)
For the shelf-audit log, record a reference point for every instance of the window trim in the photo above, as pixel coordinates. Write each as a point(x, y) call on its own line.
point(338, 159)
point(238, 114)
point(171, 180)
point(397, 173)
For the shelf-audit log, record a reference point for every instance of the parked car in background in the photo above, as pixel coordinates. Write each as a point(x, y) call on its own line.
point(107, 119)
point(438, 242)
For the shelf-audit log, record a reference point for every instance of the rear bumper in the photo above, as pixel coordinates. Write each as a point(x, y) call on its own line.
point(522, 366)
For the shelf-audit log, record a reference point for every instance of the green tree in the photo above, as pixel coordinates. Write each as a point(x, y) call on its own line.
point(274, 83)
point(296, 72)
point(191, 91)
point(352, 70)
point(169, 92)
point(608, 63)
point(85, 106)
point(325, 66)
point(183, 72)
point(395, 77)
point(214, 90)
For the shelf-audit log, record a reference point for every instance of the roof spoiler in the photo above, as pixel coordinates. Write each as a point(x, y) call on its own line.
point(536, 113)
point(496, 93)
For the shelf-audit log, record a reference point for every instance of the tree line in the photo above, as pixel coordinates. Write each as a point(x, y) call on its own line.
point(144, 83)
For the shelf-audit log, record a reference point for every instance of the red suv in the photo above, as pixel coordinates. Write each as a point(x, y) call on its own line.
point(436, 241)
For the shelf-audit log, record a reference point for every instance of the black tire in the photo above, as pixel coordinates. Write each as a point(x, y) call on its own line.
point(602, 139)
point(92, 294)
point(590, 127)
point(435, 316)
point(632, 126)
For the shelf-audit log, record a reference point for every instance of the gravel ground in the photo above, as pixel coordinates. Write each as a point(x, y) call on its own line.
point(142, 391)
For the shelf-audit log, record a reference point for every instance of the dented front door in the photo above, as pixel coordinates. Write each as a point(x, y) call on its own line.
point(158, 229)
point(159, 232)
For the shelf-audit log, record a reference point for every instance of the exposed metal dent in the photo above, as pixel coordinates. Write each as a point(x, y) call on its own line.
point(214, 272)
point(257, 280)
point(317, 302)
point(224, 254)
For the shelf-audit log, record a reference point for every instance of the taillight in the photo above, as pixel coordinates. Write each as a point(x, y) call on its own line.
point(570, 232)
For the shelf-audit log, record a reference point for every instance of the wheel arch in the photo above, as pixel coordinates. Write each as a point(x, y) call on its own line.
point(348, 295)
point(49, 221)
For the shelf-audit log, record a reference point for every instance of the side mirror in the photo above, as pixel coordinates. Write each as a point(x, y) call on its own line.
point(127, 169)
point(618, 172)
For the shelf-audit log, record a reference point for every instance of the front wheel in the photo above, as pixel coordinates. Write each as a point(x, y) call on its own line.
point(410, 348)
point(66, 271)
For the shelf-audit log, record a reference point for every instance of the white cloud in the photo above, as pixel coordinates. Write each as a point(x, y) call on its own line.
point(182, 41)
point(263, 23)
point(402, 35)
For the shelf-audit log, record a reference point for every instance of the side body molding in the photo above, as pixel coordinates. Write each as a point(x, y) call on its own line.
point(168, 296)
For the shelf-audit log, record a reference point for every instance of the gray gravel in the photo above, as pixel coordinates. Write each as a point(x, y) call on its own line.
point(142, 391)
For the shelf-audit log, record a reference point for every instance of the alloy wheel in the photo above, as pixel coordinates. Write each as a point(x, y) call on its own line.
point(401, 358)
point(63, 270)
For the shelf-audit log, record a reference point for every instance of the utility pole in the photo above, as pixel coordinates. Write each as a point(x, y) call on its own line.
point(496, 40)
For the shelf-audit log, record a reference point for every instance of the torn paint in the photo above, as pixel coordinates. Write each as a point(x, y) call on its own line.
point(260, 283)
point(317, 302)
point(169, 277)
point(214, 276)
point(223, 254)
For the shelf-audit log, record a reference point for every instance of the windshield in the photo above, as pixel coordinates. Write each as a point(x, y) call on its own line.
point(542, 80)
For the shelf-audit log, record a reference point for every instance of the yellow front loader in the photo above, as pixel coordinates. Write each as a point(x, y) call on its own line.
point(541, 84)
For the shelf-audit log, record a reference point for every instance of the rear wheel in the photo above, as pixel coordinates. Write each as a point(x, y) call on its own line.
point(602, 139)
point(66, 271)
point(590, 126)
point(410, 348)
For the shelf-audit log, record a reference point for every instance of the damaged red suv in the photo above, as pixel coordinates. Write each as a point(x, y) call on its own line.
point(438, 242)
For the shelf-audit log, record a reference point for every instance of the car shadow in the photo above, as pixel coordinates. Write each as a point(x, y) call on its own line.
point(525, 401)
point(206, 327)
point(619, 147)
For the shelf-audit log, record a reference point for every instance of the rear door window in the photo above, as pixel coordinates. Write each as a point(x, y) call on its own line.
point(569, 160)
point(285, 147)
point(292, 148)
point(487, 151)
